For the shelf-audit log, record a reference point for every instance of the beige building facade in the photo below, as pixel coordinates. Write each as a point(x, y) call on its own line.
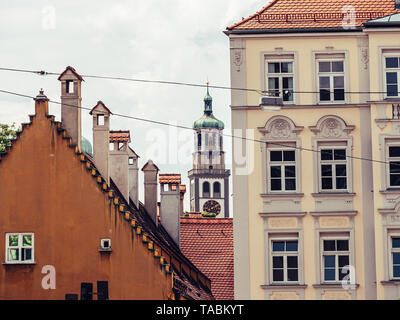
point(316, 203)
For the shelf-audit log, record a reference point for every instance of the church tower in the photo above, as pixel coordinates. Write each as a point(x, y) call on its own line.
point(209, 180)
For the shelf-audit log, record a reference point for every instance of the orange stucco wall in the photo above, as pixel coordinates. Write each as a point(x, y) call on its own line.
point(45, 189)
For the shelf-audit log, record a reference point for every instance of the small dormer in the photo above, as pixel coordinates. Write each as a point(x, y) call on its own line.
point(101, 116)
point(119, 140)
point(70, 82)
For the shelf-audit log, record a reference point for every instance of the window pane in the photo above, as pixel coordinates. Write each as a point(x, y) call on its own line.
point(292, 262)
point(276, 184)
point(278, 246)
point(338, 82)
point(395, 242)
point(276, 155)
point(337, 66)
point(396, 271)
point(13, 254)
point(394, 167)
point(273, 85)
point(290, 184)
point(13, 240)
point(329, 261)
point(277, 262)
point(341, 183)
point(27, 241)
point(291, 246)
point(287, 87)
point(326, 170)
point(273, 67)
point(327, 184)
point(395, 180)
point(329, 245)
point(392, 62)
point(391, 77)
point(293, 275)
point(343, 273)
point(278, 275)
point(290, 171)
point(341, 170)
point(396, 258)
point(338, 94)
point(340, 154)
point(324, 83)
point(342, 245)
point(392, 90)
point(394, 151)
point(324, 95)
point(275, 171)
point(326, 154)
point(287, 67)
point(324, 66)
point(329, 274)
point(287, 82)
point(26, 254)
point(289, 156)
point(343, 261)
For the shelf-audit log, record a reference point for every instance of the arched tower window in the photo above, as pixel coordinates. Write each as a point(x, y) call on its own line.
point(206, 189)
point(217, 190)
point(199, 140)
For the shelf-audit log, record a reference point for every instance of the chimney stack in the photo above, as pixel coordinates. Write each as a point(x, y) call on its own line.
point(133, 176)
point(182, 189)
point(101, 136)
point(150, 171)
point(71, 100)
point(119, 159)
point(170, 207)
point(41, 104)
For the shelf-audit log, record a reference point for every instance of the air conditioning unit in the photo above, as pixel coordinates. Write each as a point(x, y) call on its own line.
point(105, 244)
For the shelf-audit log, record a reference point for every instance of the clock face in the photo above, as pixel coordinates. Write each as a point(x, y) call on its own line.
point(212, 206)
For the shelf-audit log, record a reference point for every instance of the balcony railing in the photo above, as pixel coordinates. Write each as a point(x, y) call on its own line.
point(396, 111)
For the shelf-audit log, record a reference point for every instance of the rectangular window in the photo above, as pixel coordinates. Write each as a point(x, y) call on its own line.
point(282, 170)
point(394, 166)
point(333, 169)
point(19, 248)
point(280, 79)
point(335, 256)
point(395, 257)
point(285, 261)
point(331, 80)
point(392, 76)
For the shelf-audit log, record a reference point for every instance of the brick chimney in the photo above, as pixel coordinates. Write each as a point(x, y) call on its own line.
point(119, 158)
point(101, 136)
point(150, 171)
point(133, 176)
point(170, 204)
point(71, 99)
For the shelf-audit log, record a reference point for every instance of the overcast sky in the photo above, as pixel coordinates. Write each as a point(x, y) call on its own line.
point(174, 40)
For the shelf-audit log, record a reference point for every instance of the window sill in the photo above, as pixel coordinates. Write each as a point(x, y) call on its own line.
point(105, 250)
point(19, 263)
point(282, 194)
point(333, 194)
point(391, 282)
point(333, 285)
point(283, 286)
point(390, 191)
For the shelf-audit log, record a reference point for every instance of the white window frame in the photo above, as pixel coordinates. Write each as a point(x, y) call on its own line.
point(280, 76)
point(391, 251)
point(285, 254)
point(385, 70)
point(388, 160)
point(282, 164)
point(333, 163)
point(19, 247)
point(331, 76)
point(336, 254)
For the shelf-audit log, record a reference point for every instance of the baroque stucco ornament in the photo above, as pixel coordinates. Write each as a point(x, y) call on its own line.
point(280, 127)
point(238, 58)
point(331, 127)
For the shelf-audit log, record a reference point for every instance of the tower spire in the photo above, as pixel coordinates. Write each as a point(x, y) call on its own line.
point(208, 102)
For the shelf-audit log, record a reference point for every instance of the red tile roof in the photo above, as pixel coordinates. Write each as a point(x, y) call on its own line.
point(182, 188)
point(169, 178)
point(120, 136)
point(208, 243)
point(308, 14)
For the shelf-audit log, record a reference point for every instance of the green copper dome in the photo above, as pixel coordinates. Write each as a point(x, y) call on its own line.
point(208, 120)
point(86, 146)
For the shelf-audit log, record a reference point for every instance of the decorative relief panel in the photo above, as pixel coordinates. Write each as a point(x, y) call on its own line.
point(279, 204)
point(334, 222)
point(336, 295)
point(282, 223)
point(340, 203)
point(280, 127)
point(331, 127)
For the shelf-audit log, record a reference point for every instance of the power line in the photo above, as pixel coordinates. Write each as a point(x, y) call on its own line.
point(192, 129)
point(260, 92)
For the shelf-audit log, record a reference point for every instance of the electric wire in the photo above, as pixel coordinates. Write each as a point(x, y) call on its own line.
point(192, 129)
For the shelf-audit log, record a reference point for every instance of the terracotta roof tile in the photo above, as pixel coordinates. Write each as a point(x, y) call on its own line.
point(169, 178)
point(120, 136)
point(309, 14)
point(208, 243)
